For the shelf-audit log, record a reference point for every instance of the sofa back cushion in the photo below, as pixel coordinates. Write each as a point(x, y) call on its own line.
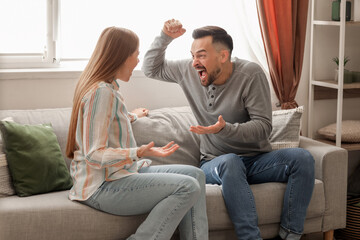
point(161, 126)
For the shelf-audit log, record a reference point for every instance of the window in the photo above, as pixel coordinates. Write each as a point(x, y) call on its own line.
point(23, 31)
point(28, 33)
point(79, 24)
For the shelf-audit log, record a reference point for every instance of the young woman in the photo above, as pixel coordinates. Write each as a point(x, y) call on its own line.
point(107, 172)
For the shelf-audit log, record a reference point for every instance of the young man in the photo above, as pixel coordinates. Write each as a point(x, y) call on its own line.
point(230, 99)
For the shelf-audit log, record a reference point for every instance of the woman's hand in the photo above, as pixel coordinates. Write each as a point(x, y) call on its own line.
point(140, 112)
point(149, 150)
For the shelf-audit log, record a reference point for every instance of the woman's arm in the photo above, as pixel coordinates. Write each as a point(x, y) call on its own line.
point(99, 111)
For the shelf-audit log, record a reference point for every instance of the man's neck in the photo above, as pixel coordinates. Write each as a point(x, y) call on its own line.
point(225, 74)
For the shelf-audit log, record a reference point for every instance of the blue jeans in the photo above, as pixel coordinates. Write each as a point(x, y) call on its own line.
point(235, 173)
point(173, 195)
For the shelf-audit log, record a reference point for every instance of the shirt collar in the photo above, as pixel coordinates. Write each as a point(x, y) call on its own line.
point(115, 84)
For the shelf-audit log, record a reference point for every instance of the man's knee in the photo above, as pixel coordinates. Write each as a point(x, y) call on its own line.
point(232, 164)
point(304, 157)
point(303, 161)
point(308, 163)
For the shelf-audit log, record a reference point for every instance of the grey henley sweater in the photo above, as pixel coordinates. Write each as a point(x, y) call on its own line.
point(243, 101)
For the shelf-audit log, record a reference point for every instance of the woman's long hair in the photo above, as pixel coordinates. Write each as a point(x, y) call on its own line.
point(114, 46)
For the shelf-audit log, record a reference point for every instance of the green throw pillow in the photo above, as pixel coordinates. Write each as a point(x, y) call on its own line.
point(34, 158)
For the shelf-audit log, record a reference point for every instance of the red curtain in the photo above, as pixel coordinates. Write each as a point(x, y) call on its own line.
point(283, 29)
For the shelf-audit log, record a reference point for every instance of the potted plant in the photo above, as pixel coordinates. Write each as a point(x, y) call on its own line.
point(347, 73)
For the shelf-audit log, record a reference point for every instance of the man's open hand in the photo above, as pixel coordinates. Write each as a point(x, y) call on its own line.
point(220, 124)
point(173, 28)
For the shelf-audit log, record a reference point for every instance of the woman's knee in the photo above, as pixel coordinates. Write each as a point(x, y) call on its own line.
point(191, 186)
point(195, 172)
point(200, 176)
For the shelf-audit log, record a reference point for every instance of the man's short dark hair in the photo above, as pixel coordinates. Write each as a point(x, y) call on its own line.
point(218, 34)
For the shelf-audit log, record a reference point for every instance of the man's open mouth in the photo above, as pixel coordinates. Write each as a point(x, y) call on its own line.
point(202, 73)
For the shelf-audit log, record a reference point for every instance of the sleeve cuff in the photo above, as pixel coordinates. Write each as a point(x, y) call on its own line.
point(133, 116)
point(166, 37)
point(224, 132)
point(133, 154)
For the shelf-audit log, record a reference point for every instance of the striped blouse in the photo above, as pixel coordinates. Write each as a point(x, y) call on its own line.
point(106, 148)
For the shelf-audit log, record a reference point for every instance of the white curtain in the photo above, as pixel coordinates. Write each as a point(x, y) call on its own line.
point(146, 18)
point(249, 33)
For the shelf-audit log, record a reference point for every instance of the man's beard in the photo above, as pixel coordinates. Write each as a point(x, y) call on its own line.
point(212, 77)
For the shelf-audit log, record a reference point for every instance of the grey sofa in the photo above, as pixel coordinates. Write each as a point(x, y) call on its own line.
point(53, 216)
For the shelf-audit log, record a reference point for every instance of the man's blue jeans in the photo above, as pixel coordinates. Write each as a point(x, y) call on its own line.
point(172, 195)
point(294, 166)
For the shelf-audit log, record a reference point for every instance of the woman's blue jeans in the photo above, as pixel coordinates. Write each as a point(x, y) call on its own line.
point(294, 166)
point(173, 195)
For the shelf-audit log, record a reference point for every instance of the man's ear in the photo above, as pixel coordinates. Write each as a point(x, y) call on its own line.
point(224, 55)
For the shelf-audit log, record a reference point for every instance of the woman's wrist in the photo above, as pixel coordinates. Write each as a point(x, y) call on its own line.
point(138, 153)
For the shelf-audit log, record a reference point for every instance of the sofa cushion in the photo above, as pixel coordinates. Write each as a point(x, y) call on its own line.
point(53, 211)
point(268, 200)
point(286, 128)
point(54, 216)
point(170, 124)
point(34, 157)
point(6, 186)
point(350, 131)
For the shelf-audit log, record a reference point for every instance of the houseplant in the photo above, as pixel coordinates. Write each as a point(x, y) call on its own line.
point(347, 73)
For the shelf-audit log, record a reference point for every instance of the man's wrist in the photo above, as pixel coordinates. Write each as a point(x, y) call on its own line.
point(165, 36)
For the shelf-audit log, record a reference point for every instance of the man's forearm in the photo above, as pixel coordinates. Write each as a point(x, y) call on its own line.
point(154, 59)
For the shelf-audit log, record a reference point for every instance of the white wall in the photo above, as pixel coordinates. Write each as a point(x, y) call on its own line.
point(55, 88)
point(31, 90)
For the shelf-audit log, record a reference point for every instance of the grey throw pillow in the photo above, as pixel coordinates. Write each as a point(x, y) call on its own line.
point(6, 186)
point(170, 124)
point(286, 128)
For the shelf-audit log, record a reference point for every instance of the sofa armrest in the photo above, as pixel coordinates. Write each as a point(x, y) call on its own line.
point(331, 166)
